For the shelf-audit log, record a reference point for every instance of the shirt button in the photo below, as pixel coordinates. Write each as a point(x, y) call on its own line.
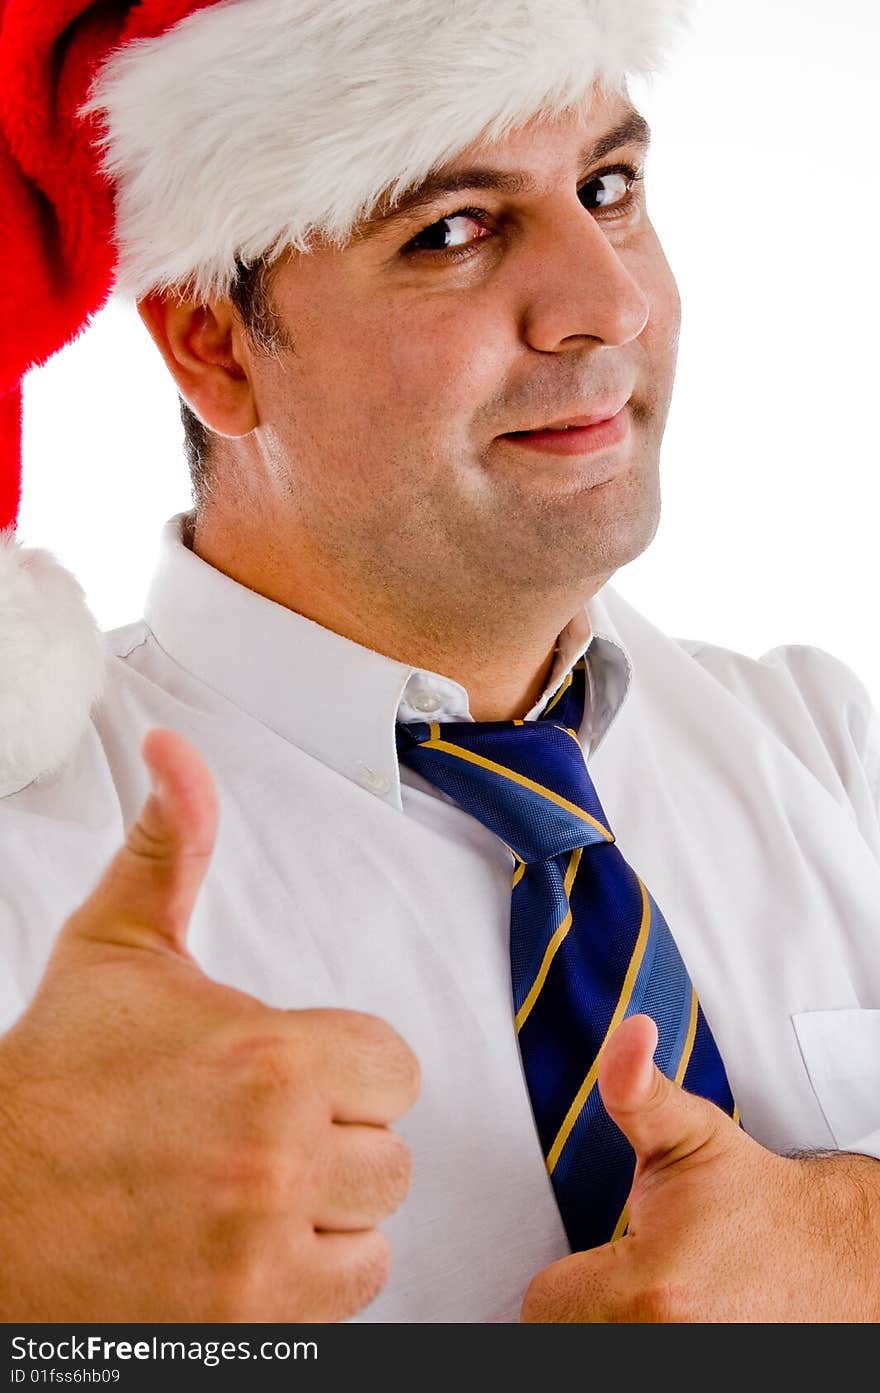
point(372, 779)
point(425, 701)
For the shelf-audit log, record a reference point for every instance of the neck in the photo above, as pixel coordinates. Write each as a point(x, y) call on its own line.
point(502, 656)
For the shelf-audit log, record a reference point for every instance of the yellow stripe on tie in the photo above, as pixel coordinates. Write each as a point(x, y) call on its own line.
point(435, 743)
point(621, 1224)
point(562, 690)
point(519, 868)
point(689, 1040)
point(629, 982)
point(552, 947)
point(735, 1114)
point(574, 735)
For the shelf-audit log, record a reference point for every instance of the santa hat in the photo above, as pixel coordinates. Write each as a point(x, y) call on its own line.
point(153, 144)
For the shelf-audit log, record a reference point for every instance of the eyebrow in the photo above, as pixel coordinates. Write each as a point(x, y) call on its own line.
point(633, 129)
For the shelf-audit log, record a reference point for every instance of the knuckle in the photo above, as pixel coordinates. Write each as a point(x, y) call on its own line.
point(411, 1073)
point(374, 1048)
point(265, 1066)
point(393, 1058)
point(329, 1022)
point(255, 1179)
point(366, 1031)
point(269, 1092)
point(662, 1090)
point(360, 1269)
point(384, 1174)
point(398, 1171)
point(141, 842)
point(324, 1031)
point(371, 1181)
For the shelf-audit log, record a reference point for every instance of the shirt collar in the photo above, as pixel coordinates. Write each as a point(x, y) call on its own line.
point(333, 698)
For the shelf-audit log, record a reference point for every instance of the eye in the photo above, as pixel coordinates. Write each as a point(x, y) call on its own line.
point(449, 233)
point(612, 189)
point(623, 174)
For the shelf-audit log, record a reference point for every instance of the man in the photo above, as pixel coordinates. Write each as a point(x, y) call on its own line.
point(280, 1017)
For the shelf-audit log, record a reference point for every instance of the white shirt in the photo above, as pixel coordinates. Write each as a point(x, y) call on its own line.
point(744, 791)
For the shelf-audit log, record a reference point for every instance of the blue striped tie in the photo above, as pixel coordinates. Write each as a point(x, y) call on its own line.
point(588, 943)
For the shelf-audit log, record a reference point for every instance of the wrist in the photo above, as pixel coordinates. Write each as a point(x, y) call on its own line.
point(841, 1214)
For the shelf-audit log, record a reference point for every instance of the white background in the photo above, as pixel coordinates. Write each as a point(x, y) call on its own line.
point(763, 184)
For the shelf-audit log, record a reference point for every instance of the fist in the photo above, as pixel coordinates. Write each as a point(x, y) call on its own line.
point(172, 1149)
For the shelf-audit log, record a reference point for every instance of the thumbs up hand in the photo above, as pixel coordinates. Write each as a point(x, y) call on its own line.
point(172, 1149)
point(720, 1229)
point(147, 894)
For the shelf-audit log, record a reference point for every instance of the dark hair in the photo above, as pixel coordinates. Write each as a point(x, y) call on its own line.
point(251, 295)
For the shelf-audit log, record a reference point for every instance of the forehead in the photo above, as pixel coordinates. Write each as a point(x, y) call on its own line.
point(545, 137)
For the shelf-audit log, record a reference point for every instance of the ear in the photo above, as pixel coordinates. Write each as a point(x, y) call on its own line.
point(204, 349)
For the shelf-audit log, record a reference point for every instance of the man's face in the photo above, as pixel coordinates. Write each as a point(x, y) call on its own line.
point(383, 425)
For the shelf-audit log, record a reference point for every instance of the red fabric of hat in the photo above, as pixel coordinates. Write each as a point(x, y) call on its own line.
point(56, 207)
point(57, 214)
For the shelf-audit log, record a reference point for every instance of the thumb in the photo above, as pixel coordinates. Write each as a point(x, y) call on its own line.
point(659, 1119)
point(146, 896)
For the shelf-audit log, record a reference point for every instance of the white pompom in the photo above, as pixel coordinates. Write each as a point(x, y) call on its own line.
point(52, 664)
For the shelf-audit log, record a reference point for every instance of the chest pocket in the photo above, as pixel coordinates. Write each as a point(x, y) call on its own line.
point(841, 1052)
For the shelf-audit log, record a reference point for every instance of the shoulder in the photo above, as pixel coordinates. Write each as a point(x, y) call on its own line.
point(796, 695)
point(813, 703)
point(807, 695)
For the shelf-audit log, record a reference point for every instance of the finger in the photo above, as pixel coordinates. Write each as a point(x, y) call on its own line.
point(315, 1276)
point(366, 1071)
point(661, 1121)
point(364, 1176)
point(146, 896)
point(347, 1271)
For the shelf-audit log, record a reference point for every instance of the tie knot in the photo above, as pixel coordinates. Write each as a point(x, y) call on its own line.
point(527, 781)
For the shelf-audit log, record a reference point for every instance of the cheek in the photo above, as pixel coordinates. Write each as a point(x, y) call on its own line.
point(439, 367)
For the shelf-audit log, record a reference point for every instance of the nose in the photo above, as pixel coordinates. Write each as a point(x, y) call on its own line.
point(579, 286)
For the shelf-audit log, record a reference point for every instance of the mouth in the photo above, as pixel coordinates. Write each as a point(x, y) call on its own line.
point(600, 434)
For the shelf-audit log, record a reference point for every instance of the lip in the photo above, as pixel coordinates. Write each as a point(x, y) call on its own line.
point(580, 440)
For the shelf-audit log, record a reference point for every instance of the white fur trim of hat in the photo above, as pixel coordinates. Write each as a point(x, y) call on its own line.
point(255, 125)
